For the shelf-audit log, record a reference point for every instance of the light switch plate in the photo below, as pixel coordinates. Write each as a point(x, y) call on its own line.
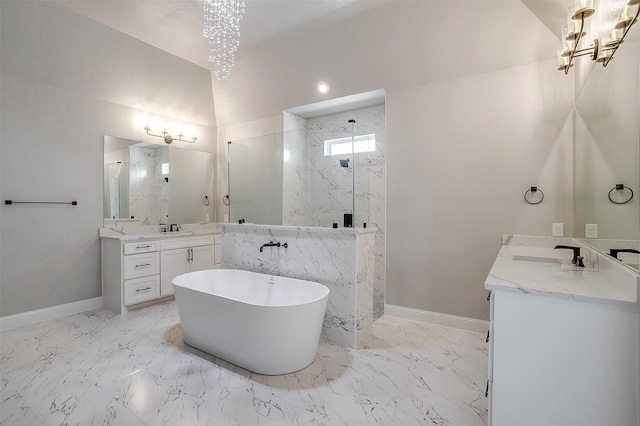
point(591, 230)
point(557, 230)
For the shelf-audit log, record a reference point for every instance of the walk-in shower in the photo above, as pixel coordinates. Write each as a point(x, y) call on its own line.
point(316, 176)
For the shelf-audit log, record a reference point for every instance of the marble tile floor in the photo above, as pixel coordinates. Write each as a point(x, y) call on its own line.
point(98, 368)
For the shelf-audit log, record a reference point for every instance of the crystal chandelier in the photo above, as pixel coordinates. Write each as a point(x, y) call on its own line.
point(222, 28)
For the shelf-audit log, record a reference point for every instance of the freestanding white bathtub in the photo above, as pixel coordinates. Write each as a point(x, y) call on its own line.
point(266, 324)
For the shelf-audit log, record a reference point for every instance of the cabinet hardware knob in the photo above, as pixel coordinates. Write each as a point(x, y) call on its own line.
point(144, 264)
point(488, 331)
point(143, 289)
point(486, 392)
point(489, 296)
point(141, 247)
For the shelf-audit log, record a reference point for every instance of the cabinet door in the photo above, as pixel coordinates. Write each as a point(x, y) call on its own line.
point(203, 258)
point(172, 263)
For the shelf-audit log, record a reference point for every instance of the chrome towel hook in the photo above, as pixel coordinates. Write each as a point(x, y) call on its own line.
point(534, 190)
point(620, 187)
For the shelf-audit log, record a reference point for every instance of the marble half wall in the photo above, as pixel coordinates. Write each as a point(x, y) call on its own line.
point(342, 259)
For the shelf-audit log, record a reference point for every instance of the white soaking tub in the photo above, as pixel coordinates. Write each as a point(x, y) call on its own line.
point(263, 323)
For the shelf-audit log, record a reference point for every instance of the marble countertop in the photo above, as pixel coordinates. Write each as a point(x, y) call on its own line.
point(561, 280)
point(154, 233)
point(358, 231)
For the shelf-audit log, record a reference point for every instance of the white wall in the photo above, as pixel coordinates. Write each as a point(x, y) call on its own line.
point(66, 82)
point(460, 155)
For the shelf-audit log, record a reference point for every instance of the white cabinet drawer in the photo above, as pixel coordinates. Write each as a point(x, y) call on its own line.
point(177, 243)
point(141, 247)
point(141, 290)
point(141, 265)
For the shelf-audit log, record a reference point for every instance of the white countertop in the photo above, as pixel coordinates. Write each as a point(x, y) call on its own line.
point(561, 281)
point(139, 233)
point(357, 231)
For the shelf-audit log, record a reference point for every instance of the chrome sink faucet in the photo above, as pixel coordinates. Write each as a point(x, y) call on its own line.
point(174, 227)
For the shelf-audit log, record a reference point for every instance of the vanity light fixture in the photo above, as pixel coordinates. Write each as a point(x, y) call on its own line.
point(168, 138)
point(609, 37)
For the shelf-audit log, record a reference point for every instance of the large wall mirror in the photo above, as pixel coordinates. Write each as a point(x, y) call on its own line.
point(151, 184)
point(607, 153)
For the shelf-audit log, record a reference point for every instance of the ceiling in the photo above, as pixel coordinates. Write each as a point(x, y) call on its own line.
point(176, 25)
point(287, 46)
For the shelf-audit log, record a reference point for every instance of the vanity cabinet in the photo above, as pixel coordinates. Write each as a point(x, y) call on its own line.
point(141, 269)
point(557, 361)
point(180, 256)
point(136, 273)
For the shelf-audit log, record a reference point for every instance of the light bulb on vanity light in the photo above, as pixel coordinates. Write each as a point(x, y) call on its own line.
point(582, 9)
point(573, 28)
point(627, 17)
point(563, 58)
point(567, 43)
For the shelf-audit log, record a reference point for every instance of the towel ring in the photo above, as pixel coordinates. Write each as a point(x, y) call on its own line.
point(533, 190)
point(621, 187)
point(205, 200)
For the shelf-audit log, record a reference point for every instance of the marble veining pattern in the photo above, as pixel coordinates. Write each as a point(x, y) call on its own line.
point(325, 256)
point(364, 281)
point(100, 368)
point(317, 191)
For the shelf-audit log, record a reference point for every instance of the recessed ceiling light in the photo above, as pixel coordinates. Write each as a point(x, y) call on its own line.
point(322, 87)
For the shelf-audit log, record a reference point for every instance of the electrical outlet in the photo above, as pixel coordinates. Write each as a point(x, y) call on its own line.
point(557, 230)
point(591, 230)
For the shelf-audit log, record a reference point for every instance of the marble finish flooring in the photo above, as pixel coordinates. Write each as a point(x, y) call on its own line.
point(98, 368)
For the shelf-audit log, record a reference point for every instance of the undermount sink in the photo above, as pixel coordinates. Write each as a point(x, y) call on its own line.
point(541, 260)
point(552, 262)
point(169, 233)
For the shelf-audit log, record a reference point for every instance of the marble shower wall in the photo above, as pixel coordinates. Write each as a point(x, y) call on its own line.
point(341, 259)
point(295, 173)
point(317, 190)
point(148, 192)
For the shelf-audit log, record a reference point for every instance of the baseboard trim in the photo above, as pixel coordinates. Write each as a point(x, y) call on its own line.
point(46, 314)
point(447, 320)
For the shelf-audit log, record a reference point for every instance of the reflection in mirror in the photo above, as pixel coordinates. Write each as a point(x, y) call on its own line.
point(625, 251)
point(607, 153)
point(140, 179)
